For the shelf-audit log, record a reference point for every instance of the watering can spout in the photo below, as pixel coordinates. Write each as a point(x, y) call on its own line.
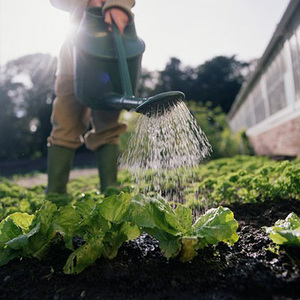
point(157, 104)
point(118, 102)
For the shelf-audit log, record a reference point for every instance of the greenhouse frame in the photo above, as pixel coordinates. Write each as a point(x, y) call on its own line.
point(268, 105)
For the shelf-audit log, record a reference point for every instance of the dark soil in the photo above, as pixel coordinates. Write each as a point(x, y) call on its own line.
point(246, 270)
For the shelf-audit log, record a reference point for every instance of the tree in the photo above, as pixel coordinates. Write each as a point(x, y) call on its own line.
point(217, 81)
point(175, 77)
point(26, 91)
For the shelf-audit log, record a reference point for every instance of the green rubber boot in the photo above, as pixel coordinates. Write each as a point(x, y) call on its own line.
point(107, 158)
point(60, 160)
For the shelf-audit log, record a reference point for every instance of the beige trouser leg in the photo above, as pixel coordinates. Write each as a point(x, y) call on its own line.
point(70, 121)
point(105, 129)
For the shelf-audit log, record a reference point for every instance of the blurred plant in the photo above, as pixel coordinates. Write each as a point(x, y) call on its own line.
point(213, 122)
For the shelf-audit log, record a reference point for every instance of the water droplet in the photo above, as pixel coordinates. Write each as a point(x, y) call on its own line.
point(164, 150)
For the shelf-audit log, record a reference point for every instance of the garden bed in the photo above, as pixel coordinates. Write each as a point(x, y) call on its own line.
point(246, 270)
point(257, 190)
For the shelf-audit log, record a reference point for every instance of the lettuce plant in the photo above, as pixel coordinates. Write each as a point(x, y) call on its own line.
point(103, 225)
point(285, 232)
point(175, 230)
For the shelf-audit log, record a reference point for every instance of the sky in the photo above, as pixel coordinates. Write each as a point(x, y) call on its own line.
point(193, 31)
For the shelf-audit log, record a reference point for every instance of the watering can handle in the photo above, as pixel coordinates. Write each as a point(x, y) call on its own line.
point(122, 62)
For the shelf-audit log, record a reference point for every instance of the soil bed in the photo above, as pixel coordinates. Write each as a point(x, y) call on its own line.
point(245, 270)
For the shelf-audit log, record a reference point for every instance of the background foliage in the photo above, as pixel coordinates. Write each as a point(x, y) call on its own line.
point(26, 94)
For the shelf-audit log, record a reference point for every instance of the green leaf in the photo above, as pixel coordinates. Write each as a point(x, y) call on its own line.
point(22, 220)
point(42, 231)
point(291, 222)
point(285, 237)
point(115, 207)
point(141, 212)
point(165, 219)
point(8, 231)
point(7, 254)
point(13, 226)
point(21, 241)
point(168, 244)
point(66, 222)
point(44, 216)
point(184, 217)
point(285, 232)
point(67, 217)
point(119, 234)
point(84, 256)
point(13, 235)
point(79, 219)
point(85, 208)
point(149, 212)
point(130, 231)
point(23, 234)
point(216, 225)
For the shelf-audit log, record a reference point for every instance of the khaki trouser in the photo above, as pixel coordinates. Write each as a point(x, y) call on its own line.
point(71, 120)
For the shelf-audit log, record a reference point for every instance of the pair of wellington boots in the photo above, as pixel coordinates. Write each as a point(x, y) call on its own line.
point(60, 161)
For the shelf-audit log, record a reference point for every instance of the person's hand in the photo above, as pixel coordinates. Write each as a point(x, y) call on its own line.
point(118, 16)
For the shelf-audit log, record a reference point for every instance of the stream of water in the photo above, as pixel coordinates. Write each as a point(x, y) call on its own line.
point(164, 150)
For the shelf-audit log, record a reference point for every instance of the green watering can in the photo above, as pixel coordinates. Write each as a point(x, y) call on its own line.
point(107, 67)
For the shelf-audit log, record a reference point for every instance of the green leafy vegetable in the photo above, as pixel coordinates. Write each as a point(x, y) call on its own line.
point(84, 256)
point(104, 229)
point(184, 217)
point(114, 209)
point(217, 224)
point(26, 235)
point(174, 230)
point(103, 225)
point(285, 232)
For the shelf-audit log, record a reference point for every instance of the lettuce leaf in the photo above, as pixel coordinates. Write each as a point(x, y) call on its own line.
point(41, 231)
point(104, 228)
point(285, 232)
point(216, 225)
point(115, 238)
point(27, 235)
point(169, 244)
point(13, 226)
point(175, 231)
point(156, 217)
point(148, 212)
point(115, 207)
point(84, 256)
point(184, 216)
point(77, 220)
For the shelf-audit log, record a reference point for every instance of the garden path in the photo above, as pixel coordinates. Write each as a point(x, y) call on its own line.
point(41, 178)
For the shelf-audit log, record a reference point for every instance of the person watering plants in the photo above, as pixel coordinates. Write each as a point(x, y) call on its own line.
point(70, 119)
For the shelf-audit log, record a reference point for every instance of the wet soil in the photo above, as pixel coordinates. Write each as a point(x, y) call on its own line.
point(246, 270)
